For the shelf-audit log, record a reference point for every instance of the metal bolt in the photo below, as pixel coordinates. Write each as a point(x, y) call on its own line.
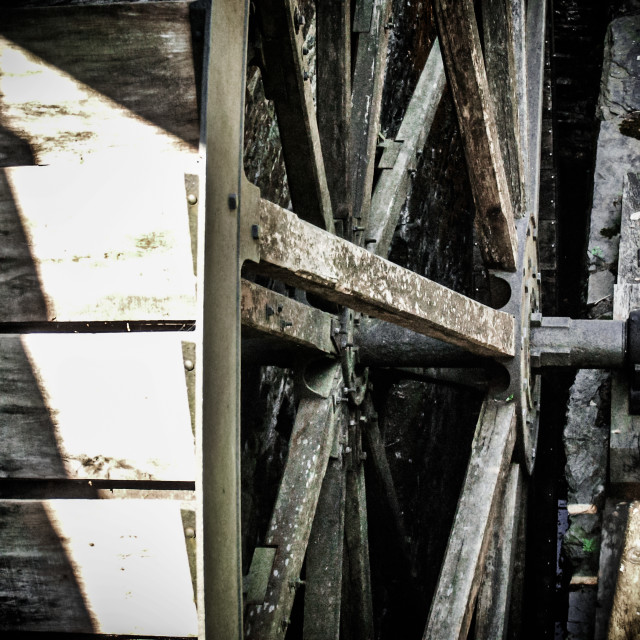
point(189, 532)
point(192, 198)
point(189, 365)
point(233, 201)
point(357, 229)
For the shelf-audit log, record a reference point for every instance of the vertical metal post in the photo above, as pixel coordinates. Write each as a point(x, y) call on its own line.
point(220, 544)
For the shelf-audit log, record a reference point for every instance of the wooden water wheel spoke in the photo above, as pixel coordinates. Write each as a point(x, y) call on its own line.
point(462, 53)
point(312, 440)
point(453, 603)
point(400, 156)
point(368, 79)
point(286, 80)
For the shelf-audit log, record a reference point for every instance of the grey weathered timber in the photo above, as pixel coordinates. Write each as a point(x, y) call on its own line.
point(494, 597)
point(219, 546)
point(625, 612)
point(583, 344)
point(358, 617)
point(95, 407)
point(368, 77)
point(463, 60)
point(310, 446)
point(333, 99)
point(323, 588)
point(284, 80)
point(453, 603)
point(614, 526)
point(95, 244)
point(536, 21)
point(625, 428)
point(276, 315)
point(95, 566)
point(393, 184)
point(504, 42)
point(304, 256)
point(81, 83)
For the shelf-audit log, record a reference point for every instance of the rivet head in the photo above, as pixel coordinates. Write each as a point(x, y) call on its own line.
point(189, 365)
point(189, 532)
point(192, 198)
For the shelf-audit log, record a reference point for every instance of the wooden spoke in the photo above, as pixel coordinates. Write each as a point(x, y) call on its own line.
point(323, 590)
point(494, 598)
point(286, 82)
point(393, 184)
point(273, 314)
point(536, 24)
point(333, 97)
point(504, 56)
point(463, 59)
point(368, 80)
point(461, 572)
point(304, 256)
point(310, 446)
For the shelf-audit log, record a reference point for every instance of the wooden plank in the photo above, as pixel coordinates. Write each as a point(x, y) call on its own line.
point(536, 21)
point(368, 81)
point(357, 623)
point(625, 613)
point(95, 566)
point(614, 525)
point(504, 56)
point(463, 60)
point(290, 526)
point(304, 256)
point(95, 244)
point(393, 184)
point(494, 597)
point(285, 84)
point(323, 589)
point(83, 406)
point(625, 428)
point(333, 98)
point(453, 603)
point(82, 81)
point(273, 314)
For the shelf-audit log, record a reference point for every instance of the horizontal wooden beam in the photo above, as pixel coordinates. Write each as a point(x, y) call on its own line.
point(393, 184)
point(304, 256)
point(464, 62)
point(276, 315)
point(453, 603)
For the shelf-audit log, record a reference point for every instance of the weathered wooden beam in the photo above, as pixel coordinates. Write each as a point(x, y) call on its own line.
point(625, 428)
point(393, 183)
point(304, 256)
point(504, 42)
point(286, 83)
point(494, 597)
point(453, 603)
point(464, 63)
point(368, 80)
point(333, 98)
point(625, 621)
point(536, 21)
point(323, 589)
point(276, 315)
point(310, 446)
